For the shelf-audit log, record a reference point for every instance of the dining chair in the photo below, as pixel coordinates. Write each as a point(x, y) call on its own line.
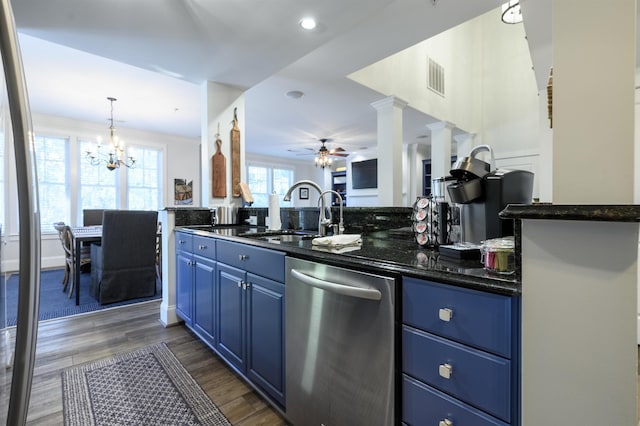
point(60, 227)
point(92, 217)
point(123, 265)
point(66, 240)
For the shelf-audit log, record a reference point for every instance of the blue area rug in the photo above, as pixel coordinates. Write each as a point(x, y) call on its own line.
point(54, 303)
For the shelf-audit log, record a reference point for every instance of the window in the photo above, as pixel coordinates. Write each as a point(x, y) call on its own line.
point(144, 189)
point(98, 185)
point(263, 180)
point(52, 154)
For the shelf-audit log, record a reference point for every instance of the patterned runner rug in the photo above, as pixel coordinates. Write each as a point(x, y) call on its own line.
point(148, 386)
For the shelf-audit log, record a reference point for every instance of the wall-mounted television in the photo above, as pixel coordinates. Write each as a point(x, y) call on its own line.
point(364, 174)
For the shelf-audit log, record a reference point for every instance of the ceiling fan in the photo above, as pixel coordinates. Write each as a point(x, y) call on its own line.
point(337, 151)
point(324, 154)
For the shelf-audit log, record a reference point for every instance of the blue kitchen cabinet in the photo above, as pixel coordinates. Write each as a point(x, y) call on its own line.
point(196, 283)
point(460, 355)
point(232, 315)
point(265, 335)
point(250, 306)
point(184, 276)
point(204, 286)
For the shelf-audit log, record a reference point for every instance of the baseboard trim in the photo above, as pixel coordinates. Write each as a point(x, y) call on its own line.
point(168, 316)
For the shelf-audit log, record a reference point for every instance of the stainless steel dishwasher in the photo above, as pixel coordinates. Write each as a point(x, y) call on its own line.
point(339, 346)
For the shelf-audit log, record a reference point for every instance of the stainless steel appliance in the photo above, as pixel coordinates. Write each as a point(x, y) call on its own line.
point(14, 103)
point(339, 346)
point(479, 217)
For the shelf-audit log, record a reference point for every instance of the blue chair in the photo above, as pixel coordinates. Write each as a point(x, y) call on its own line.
point(123, 265)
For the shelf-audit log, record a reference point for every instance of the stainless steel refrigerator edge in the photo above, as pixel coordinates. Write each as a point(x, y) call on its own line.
point(29, 219)
point(339, 346)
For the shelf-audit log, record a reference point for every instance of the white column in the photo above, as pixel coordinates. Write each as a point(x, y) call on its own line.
point(579, 294)
point(168, 306)
point(464, 144)
point(440, 148)
point(593, 101)
point(390, 150)
point(416, 154)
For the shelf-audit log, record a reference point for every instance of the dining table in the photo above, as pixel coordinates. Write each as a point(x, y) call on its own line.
point(79, 236)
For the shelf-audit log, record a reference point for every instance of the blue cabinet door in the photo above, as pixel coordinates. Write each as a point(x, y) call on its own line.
point(203, 300)
point(265, 335)
point(184, 283)
point(231, 315)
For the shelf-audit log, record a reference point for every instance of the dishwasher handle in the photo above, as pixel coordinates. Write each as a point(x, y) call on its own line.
point(344, 289)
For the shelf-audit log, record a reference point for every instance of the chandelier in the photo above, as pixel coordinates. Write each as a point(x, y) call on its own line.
point(323, 160)
point(113, 158)
point(511, 13)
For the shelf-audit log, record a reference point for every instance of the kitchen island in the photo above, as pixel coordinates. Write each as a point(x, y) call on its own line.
point(457, 320)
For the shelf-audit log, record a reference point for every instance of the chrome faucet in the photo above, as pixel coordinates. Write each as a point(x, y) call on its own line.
point(329, 220)
point(322, 221)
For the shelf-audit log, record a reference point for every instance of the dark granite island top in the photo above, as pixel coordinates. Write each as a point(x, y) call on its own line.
point(586, 212)
point(389, 252)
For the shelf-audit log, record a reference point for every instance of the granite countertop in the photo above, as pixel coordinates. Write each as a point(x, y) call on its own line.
point(585, 212)
point(390, 252)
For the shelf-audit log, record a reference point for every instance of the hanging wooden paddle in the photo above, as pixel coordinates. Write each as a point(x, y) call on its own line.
point(235, 156)
point(219, 170)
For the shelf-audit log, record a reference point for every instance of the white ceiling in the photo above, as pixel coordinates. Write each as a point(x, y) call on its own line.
point(154, 55)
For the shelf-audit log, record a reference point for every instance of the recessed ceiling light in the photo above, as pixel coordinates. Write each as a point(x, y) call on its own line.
point(308, 23)
point(294, 94)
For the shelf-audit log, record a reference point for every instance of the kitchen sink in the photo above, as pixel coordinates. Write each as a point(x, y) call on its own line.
point(285, 236)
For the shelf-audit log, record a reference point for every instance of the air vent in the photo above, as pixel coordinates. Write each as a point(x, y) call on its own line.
point(435, 78)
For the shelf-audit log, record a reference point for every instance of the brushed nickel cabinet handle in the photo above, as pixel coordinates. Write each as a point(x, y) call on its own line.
point(445, 314)
point(445, 371)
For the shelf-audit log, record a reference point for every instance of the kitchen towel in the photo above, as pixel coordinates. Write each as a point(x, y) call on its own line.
point(274, 212)
point(337, 241)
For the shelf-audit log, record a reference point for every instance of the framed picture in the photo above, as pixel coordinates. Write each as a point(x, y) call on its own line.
point(304, 193)
point(183, 191)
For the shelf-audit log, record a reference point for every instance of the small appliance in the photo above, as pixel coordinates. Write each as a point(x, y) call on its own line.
point(483, 191)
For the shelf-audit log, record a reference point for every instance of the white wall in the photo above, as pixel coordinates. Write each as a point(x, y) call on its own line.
point(180, 161)
point(490, 87)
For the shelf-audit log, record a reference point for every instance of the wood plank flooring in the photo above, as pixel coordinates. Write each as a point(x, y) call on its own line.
point(75, 340)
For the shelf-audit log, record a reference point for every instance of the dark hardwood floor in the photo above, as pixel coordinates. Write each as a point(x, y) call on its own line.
point(75, 340)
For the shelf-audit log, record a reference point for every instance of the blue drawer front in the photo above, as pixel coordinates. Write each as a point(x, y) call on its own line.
point(204, 246)
point(184, 241)
point(479, 318)
point(478, 378)
point(423, 405)
point(260, 261)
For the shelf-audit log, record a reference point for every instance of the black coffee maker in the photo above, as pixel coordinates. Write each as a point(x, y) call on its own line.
point(482, 192)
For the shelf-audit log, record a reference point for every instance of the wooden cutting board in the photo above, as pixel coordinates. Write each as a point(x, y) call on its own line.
point(219, 172)
point(235, 156)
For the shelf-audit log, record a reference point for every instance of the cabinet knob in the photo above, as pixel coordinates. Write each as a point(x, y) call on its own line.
point(181, 241)
point(445, 371)
point(445, 422)
point(243, 257)
point(445, 314)
point(202, 247)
